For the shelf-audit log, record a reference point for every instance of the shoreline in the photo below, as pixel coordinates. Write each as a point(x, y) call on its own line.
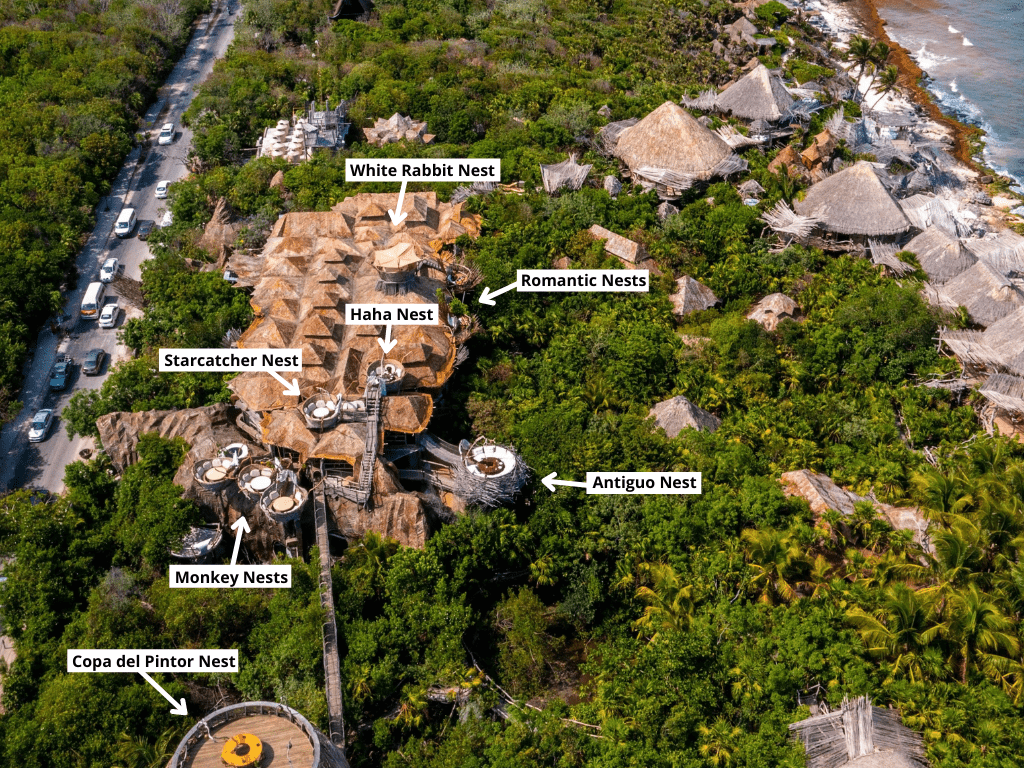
point(965, 137)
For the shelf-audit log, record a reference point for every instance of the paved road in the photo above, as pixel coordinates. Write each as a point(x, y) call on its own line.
point(41, 465)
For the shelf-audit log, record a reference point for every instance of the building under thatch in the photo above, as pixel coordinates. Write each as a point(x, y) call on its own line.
point(941, 255)
point(758, 95)
point(1005, 391)
point(567, 174)
point(823, 495)
point(628, 251)
point(986, 294)
point(859, 735)
point(854, 202)
point(670, 150)
point(1005, 339)
point(691, 296)
point(772, 309)
point(398, 128)
point(677, 413)
point(1003, 251)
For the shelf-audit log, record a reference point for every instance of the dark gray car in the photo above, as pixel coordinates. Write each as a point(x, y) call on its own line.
point(93, 362)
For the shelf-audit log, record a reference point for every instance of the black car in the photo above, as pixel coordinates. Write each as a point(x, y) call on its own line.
point(93, 362)
point(60, 373)
point(145, 227)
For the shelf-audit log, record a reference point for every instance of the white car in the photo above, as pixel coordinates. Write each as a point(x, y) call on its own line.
point(40, 426)
point(161, 189)
point(108, 317)
point(166, 134)
point(109, 270)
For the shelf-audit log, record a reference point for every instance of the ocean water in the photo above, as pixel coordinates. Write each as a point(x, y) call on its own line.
point(973, 53)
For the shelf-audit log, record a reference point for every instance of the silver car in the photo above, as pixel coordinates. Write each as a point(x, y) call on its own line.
point(40, 426)
point(108, 317)
point(166, 134)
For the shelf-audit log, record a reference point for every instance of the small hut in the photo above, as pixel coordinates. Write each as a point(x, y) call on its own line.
point(1005, 339)
point(691, 297)
point(567, 174)
point(1002, 250)
point(772, 309)
point(669, 149)
point(854, 202)
point(986, 294)
point(398, 128)
point(629, 252)
point(1005, 391)
point(677, 413)
point(758, 95)
point(941, 255)
point(859, 735)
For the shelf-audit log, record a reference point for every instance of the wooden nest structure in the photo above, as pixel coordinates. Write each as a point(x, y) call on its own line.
point(854, 202)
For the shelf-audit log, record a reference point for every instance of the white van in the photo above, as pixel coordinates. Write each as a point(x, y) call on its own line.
point(125, 223)
point(92, 302)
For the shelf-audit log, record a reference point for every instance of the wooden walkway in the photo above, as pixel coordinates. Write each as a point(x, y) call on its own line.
point(332, 662)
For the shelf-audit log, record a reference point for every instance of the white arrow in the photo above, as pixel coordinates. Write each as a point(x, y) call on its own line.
point(179, 706)
point(386, 343)
point(290, 390)
point(550, 482)
point(487, 297)
point(240, 526)
point(397, 217)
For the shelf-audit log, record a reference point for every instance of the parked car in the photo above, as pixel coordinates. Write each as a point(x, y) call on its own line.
point(92, 364)
point(161, 189)
point(108, 317)
point(145, 228)
point(39, 428)
point(166, 134)
point(109, 270)
point(60, 373)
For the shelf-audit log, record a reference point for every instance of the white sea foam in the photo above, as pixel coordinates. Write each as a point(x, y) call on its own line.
point(929, 60)
point(953, 30)
point(968, 43)
point(953, 87)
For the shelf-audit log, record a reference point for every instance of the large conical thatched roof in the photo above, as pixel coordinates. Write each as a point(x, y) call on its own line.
point(677, 413)
point(987, 295)
point(854, 202)
point(670, 139)
point(940, 255)
point(758, 95)
point(691, 296)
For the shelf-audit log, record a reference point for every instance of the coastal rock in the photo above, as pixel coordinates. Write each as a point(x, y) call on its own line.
point(612, 185)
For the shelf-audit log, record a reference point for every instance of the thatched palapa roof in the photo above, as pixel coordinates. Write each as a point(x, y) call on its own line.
point(691, 297)
point(287, 429)
point(1005, 338)
point(854, 202)
point(628, 251)
point(677, 413)
point(986, 294)
point(408, 413)
point(345, 442)
point(1005, 391)
point(757, 95)
point(669, 138)
point(940, 255)
point(773, 308)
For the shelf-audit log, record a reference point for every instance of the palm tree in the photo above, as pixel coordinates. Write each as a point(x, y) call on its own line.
point(900, 630)
point(879, 56)
point(411, 707)
point(718, 742)
point(138, 752)
point(368, 559)
point(775, 557)
point(861, 52)
point(979, 630)
point(669, 603)
point(887, 83)
point(941, 494)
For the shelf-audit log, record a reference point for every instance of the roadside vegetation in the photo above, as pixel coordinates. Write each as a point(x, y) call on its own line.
point(639, 631)
point(75, 80)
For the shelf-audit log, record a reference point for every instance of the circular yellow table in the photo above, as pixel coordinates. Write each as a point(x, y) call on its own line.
point(243, 749)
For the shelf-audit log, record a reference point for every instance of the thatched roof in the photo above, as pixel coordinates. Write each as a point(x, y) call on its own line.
point(940, 255)
point(397, 257)
point(859, 735)
point(1005, 338)
point(261, 391)
point(757, 95)
point(691, 297)
point(1002, 250)
point(986, 294)
point(773, 308)
point(344, 442)
point(627, 250)
point(287, 429)
point(854, 202)
point(677, 413)
point(669, 138)
point(1006, 391)
point(408, 413)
